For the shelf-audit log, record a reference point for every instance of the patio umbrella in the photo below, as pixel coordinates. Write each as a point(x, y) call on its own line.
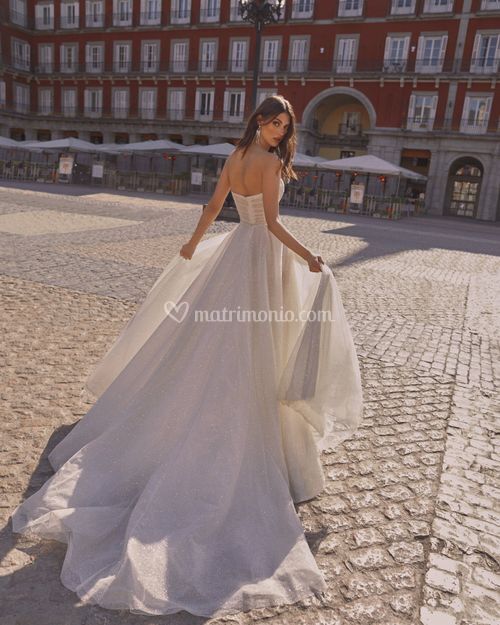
point(219, 150)
point(156, 145)
point(5, 142)
point(69, 143)
point(370, 164)
point(304, 160)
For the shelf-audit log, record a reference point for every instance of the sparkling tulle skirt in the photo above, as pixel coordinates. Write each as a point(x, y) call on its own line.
point(176, 490)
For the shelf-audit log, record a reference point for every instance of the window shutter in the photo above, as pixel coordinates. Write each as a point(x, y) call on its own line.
point(387, 48)
point(411, 109)
point(420, 52)
point(433, 109)
point(444, 43)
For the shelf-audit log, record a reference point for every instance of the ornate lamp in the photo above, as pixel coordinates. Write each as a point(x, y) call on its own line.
point(259, 13)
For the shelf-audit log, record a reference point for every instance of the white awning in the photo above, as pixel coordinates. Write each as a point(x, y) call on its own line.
point(370, 164)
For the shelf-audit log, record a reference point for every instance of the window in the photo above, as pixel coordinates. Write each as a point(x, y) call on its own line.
point(45, 100)
point(430, 53)
point(234, 14)
point(180, 12)
point(396, 53)
point(345, 57)
point(210, 10)
point(70, 15)
point(490, 5)
point(208, 56)
point(3, 99)
point(180, 56)
point(402, 7)
point(176, 104)
point(438, 6)
point(121, 57)
point(351, 123)
point(422, 111)
point(476, 114)
point(21, 53)
point(204, 105)
point(122, 12)
point(150, 11)
point(302, 9)
point(21, 98)
point(147, 103)
point(45, 58)
point(234, 105)
point(262, 94)
point(94, 17)
point(44, 16)
point(120, 102)
point(350, 8)
point(94, 57)
point(150, 56)
point(298, 56)
point(486, 53)
point(68, 56)
point(18, 12)
point(239, 55)
point(270, 56)
point(68, 102)
point(93, 102)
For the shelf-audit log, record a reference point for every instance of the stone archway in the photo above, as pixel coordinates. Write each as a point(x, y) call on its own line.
point(463, 187)
point(308, 114)
point(334, 123)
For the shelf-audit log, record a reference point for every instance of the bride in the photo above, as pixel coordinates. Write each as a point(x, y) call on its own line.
point(176, 490)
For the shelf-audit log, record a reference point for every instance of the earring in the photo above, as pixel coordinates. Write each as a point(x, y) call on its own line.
point(257, 135)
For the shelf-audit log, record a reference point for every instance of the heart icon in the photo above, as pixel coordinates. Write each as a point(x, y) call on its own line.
point(176, 311)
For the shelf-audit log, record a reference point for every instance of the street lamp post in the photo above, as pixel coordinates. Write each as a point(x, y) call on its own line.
point(259, 13)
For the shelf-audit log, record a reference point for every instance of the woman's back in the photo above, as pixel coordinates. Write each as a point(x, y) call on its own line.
point(245, 171)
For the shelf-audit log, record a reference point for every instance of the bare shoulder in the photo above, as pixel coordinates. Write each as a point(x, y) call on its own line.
point(271, 160)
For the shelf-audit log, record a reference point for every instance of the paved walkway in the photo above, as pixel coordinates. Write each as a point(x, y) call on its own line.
point(408, 529)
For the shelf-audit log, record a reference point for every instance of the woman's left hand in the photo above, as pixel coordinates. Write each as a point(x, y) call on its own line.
point(187, 250)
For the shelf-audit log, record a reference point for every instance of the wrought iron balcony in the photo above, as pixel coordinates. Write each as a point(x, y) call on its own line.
point(296, 67)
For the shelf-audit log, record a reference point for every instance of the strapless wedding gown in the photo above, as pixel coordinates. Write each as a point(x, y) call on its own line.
point(176, 490)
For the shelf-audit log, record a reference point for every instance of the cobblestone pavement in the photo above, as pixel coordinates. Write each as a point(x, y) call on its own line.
point(407, 530)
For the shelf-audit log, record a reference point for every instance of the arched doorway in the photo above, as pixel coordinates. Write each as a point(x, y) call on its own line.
point(464, 187)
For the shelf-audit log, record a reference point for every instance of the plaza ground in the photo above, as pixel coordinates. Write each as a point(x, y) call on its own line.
point(407, 530)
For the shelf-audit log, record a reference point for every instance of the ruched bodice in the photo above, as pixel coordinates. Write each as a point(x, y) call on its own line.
point(251, 207)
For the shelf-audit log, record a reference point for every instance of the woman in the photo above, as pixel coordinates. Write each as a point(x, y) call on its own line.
point(176, 490)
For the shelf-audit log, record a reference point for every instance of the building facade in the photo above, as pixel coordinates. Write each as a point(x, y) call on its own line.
point(412, 81)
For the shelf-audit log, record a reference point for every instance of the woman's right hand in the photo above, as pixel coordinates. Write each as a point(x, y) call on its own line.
point(315, 262)
point(187, 250)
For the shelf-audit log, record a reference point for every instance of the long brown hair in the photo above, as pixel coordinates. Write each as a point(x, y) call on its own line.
point(270, 108)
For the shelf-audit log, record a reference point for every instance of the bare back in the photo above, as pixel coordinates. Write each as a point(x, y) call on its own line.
point(245, 172)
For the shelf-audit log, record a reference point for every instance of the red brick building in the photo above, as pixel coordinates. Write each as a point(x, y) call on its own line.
point(413, 81)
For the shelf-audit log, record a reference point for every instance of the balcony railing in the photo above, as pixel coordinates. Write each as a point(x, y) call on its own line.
point(341, 67)
point(348, 134)
point(209, 16)
point(95, 20)
point(351, 8)
point(150, 18)
point(302, 10)
point(44, 23)
point(476, 127)
point(138, 114)
point(182, 16)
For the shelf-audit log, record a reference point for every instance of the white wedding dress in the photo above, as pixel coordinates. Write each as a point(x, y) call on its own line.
point(176, 490)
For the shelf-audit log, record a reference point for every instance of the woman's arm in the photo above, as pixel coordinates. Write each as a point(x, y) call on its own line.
point(212, 209)
point(271, 191)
